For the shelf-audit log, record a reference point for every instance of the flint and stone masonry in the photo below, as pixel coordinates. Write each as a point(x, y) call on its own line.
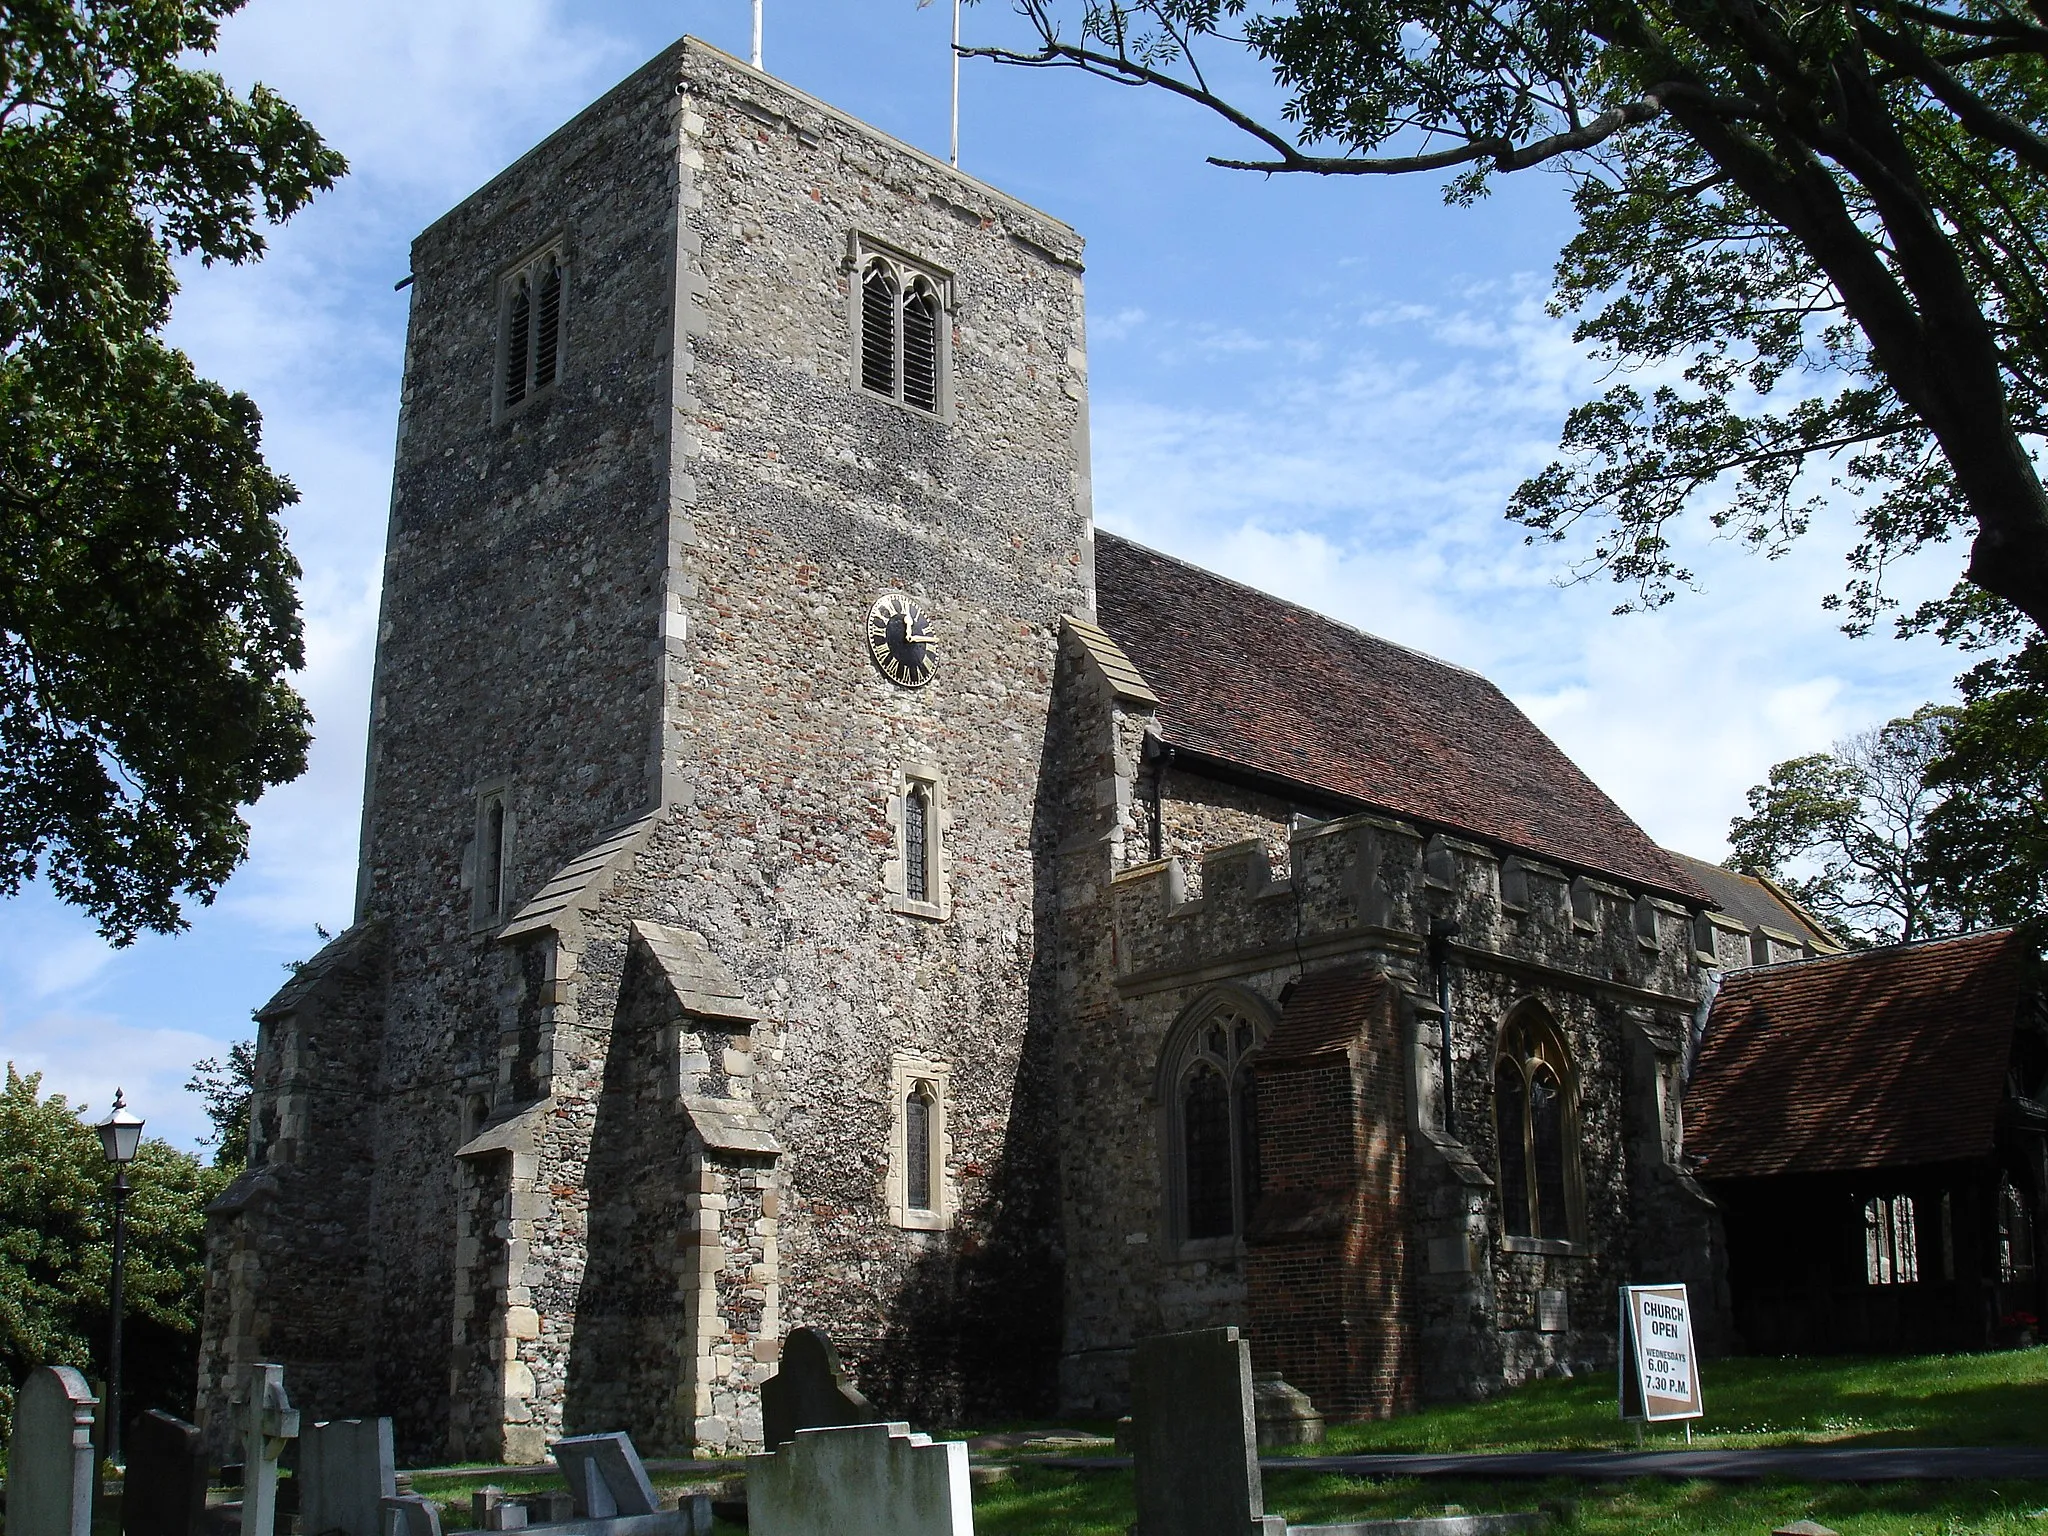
point(621, 1071)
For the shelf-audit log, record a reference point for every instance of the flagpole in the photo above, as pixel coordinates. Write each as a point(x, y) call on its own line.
point(956, 84)
point(757, 34)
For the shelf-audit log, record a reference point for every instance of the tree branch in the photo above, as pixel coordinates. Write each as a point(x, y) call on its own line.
point(1979, 118)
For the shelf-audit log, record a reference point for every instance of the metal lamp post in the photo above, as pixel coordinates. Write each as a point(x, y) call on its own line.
point(120, 1135)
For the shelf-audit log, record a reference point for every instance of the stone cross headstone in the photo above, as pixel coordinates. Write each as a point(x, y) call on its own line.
point(809, 1390)
point(269, 1421)
point(410, 1514)
point(163, 1492)
point(50, 1455)
point(346, 1470)
point(1194, 1441)
point(605, 1476)
point(858, 1479)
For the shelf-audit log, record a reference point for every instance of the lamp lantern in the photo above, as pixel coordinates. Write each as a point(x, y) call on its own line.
point(120, 1136)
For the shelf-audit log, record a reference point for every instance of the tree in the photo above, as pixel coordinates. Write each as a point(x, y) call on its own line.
point(1844, 831)
point(1820, 229)
point(55, 1194)
point(227, 1089)
point(148, 618)
point(1987, 842)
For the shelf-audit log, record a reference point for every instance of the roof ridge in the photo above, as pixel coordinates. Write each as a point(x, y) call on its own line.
point(1876, 950)
point(1315, 613)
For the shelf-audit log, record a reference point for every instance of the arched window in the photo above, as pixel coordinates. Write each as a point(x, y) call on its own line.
point(917, 1146)
point(921, 347)
point(1534, 1121)
point(530, 315)
point(902, 333)
point(878, 329)
point(1211, 1117)
point(917, 807)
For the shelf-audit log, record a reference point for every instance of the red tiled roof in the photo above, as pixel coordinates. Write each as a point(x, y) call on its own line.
point(1272, 687)
point(1325, 1012)
point(1873, 1059)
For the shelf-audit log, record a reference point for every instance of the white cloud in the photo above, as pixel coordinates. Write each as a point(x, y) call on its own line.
point(86, 1056)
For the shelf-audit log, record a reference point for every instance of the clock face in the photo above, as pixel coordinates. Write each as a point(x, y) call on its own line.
point(900, 640)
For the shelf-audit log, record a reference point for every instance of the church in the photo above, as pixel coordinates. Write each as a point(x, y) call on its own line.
point(811, 876)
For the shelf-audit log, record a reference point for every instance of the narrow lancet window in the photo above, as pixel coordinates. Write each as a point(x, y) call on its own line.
point(917, 1148)
point(518, 341)
point(878, 330)
point(921, 349)
point(548, 340)
point(917, 844)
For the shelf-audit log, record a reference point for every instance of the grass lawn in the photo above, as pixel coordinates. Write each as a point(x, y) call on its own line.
point(1099, 1504)
point(1991, 1399)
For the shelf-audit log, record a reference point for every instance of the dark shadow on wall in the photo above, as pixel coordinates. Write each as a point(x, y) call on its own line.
point(972, 1333)
point(626, 1365)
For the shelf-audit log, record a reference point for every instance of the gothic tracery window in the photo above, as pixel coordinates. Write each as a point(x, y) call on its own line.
point(1212, 1121)
point(902, 333)
point(1891, 1241)
point(1534, 1122)
point(2015, 1234)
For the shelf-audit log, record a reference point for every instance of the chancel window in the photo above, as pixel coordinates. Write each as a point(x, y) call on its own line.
point(530, 328)
point(902, 330)
point(1534, 1126)
point(1891, 1247)
point(1212, 1119)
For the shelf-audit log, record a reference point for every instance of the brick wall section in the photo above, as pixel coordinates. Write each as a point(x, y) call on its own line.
point(1327, 1252)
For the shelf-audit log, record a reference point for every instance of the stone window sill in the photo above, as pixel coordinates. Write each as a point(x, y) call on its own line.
point(1557, 1247)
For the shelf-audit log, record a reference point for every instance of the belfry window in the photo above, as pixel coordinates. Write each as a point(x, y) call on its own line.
point(902, 330)
point(530, 328)
point(915, 877)
point(1212, 1121)
point(1535, 1128)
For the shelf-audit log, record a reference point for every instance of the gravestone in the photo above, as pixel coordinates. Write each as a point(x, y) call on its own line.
point(1283, 1413)
point(409, 1514)
point(164, 1490)
point(809, 1390)
point(268, 1421)
point(860, 1480)
point(50, 1456)
point(346, 1471)
point(1194, 1441)
point(490, 1510)
point(605, 1476)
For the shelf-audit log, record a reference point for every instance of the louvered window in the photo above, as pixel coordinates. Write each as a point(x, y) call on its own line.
point(921, 349)
point(530, 353)
point(903, 333)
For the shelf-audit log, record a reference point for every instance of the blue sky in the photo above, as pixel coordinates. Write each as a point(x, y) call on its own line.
point(1328, 389)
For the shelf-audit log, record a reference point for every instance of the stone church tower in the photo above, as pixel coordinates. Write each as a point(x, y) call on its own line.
point(809, 876)
point(690, 996)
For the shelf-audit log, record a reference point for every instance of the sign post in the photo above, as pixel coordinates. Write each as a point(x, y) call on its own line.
point(1660, 1377)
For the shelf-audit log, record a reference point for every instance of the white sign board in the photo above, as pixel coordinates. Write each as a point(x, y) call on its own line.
point(1660, 1376)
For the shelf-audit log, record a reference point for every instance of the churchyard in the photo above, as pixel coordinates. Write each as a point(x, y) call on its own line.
point(1020, 1483)
point(1193, 1460)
